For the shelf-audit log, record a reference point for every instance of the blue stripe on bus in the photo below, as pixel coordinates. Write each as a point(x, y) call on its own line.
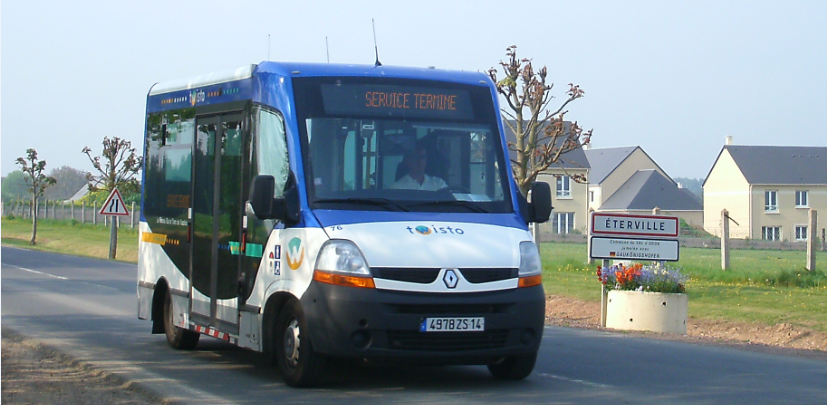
point(214, 94)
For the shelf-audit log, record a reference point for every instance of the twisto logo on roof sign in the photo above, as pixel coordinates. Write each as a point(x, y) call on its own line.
point(434, 230)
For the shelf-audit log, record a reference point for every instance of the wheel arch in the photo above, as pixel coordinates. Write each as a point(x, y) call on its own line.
point(270, 316)
point(161, 290)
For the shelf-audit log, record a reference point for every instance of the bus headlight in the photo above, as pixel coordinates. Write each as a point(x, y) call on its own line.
point(531, 267)
point(341, 262)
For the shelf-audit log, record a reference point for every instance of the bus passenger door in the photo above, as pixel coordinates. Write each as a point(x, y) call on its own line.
point(217, 213)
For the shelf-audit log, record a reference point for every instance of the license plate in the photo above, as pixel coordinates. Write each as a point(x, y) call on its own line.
point(452, 325)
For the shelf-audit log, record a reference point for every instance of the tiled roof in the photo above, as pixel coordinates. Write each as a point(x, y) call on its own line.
point(604, 161)
point(781, 164)
point(648, 189)
point(574, 159)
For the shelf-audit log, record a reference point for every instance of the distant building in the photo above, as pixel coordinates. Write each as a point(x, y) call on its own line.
point(627, 180)
point(80, 194)
point(569, 199)
point(767, 190)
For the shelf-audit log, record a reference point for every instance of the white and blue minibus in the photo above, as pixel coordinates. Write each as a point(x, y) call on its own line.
point(310, 211)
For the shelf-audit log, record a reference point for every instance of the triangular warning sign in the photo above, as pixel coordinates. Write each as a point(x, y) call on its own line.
point(114, 205)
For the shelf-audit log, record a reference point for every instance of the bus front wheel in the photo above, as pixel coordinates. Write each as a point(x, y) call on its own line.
point(515, 367)
point(300, 365)
point(177, 337)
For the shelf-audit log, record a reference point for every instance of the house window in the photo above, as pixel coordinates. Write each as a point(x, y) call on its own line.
point(771, 232)
point(801, 198)
point(800, 232)
point(771, 201)
point(563, 222)
point(563, 187)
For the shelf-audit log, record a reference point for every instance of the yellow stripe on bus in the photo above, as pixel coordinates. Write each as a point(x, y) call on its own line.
point(157, 238)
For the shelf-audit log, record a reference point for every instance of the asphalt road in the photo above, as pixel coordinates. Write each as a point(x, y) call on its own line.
point(87, 308)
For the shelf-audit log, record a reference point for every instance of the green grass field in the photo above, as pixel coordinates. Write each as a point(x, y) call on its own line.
point(71, 238)
point(763, 286)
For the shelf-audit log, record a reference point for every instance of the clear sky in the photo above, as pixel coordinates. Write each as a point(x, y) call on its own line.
point(674, 77)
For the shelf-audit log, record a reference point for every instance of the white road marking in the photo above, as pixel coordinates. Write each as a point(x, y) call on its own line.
point(57, 277)
point(35, 271)
point(573, 380)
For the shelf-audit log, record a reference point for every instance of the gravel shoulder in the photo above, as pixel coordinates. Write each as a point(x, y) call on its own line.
point(33, 373)
point(36, 374)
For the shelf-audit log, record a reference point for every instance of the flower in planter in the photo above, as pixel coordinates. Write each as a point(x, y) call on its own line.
point(641, 278)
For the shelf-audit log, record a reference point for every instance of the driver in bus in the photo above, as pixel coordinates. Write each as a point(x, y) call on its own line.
point(416, 179)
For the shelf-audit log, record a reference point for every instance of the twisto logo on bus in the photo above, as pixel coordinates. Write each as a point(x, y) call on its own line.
point(425, 230)
point(197, 96)
point(295, 253)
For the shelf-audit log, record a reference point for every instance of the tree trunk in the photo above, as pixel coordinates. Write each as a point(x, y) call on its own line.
point(113, 238)
point(34, 221)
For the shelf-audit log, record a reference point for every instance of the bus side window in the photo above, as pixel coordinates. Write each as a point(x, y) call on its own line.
point(271, 155)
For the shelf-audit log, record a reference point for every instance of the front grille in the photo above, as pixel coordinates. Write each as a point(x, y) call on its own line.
point(429, 275)
point(446, 341)
point(488, 275)
point(449, 309)
point(421, 276)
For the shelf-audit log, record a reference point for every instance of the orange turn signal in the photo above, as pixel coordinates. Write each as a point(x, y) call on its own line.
point(530, 281)
point(339, 279)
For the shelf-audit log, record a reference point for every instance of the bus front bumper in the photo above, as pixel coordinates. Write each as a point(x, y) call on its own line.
point(373, 324)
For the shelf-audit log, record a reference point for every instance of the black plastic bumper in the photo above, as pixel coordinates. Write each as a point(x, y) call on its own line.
point(371, 323)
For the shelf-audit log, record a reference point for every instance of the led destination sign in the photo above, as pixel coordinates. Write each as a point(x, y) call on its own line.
point(373, 100)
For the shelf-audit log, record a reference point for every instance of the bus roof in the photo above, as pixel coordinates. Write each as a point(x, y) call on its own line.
point(333, 69)
point(317, 70)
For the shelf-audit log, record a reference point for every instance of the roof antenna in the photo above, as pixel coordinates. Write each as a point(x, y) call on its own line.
point(375, 46)
point(268, 47)
point(327, 47)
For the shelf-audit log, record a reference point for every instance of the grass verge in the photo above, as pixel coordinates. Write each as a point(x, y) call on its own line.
point(71, 237)
point(770, 287)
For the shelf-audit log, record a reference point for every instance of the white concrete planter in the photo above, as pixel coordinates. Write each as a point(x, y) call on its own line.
point(656, 312)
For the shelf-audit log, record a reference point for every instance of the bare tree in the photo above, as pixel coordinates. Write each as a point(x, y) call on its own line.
point(542, 135)
point(37, 182)
point(120, 170)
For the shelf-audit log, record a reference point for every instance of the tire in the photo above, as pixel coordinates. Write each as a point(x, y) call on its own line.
point(513, 368)
point(300, 365)
point(178, 338)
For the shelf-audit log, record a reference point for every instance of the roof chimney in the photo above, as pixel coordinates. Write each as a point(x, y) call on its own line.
point(729, 140)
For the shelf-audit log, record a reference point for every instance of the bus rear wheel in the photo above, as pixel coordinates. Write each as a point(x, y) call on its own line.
point(300, 365)
point(513, 368)
point(177, 337)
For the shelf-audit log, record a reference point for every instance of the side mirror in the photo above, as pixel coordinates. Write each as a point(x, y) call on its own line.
point(265, 206)
point(261, 196)
point(539, 209)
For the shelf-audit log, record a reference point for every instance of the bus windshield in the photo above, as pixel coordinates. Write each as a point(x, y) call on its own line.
point(401, 145)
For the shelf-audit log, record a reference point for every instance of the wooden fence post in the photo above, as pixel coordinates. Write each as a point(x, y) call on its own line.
point(94, 213)
point(132, 216)
point(811, 245)
point(724, 239)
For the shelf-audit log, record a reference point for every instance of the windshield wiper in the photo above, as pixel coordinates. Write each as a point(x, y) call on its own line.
point(383, 202)
point(454, 203)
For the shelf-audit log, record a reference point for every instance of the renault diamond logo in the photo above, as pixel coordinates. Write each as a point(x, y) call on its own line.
point(450, 279)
